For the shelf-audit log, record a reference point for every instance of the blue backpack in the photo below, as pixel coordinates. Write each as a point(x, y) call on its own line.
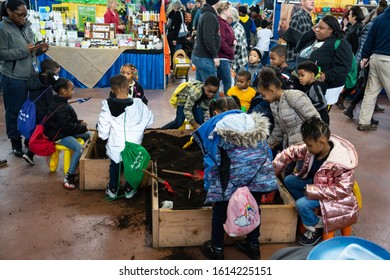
point(27, 116)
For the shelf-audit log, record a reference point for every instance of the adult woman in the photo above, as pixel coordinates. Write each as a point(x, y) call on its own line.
point(290, 108)
point(240, 49)
point(319, 45)
point(352, 33)
point(226, 51)
point(174, 35)
point(112, 16)
point(355, 17)
point(18, 55)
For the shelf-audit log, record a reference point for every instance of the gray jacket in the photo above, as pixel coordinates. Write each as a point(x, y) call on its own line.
point(17, 61)
point(293, 108)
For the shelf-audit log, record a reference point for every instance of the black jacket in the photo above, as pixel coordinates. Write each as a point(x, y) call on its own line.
point(208, 39)
point(352, 35)
point(174, 27)
point(63, 120)
point(335, 63)
point(36, 86)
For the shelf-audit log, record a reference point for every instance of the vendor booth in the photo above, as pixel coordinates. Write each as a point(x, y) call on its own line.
point(91, 50)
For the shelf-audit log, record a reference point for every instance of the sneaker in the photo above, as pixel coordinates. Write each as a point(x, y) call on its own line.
point(349, 112)
point(17, 147)
point(29, 157)
point(378, 109)
point(69, 182)
point(364, 127)
point(211, 252)
point(310, 238)
point(130, 193)
point(248, 248)
point(340, 104)
point(3, 162)
point(110, 193)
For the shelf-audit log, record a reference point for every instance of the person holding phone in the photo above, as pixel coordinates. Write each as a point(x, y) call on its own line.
point(18, 55)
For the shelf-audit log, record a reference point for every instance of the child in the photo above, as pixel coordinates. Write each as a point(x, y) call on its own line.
point(253, 66)
point(289, 108)
point(118, 112)
point(307, 72)
point(289, 79)
point(63, 126)
point(135, 89)
point(325, 181)
point(193, 102)
point(243, 90)
point(264, 36)
point(39, 84)
point(235, 154)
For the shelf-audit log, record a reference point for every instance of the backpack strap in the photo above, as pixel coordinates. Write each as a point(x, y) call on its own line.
point(337, 44)
point(40, 94)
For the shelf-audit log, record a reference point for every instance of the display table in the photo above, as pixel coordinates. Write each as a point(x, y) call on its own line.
point(93, 67)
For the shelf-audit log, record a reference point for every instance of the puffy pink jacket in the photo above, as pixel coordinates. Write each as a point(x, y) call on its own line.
point(333, 182)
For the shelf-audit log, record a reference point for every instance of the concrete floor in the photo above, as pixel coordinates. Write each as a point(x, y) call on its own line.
point(42, 220)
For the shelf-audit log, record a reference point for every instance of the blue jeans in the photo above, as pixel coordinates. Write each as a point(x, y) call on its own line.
point(219, 218)
point(180, 117)
point(264, 59)
point(224, 74)
point(305, 208)
point(72, 143)
point(205, 67)
point(14, 95)
point(296, 185)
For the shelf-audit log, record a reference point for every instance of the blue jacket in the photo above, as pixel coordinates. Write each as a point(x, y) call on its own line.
point(378, 37)
point(241, 138)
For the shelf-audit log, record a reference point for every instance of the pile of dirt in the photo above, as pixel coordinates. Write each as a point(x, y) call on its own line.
point(167, 152)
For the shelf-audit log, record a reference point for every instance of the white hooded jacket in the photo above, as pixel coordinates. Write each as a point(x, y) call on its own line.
point(138, 117)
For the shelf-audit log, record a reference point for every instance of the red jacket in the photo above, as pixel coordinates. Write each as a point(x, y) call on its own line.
point(333, 182)
point(110, 17)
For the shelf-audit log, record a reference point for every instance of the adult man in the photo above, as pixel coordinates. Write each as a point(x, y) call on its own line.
point(376, 51)
point(300, 23)
point(207, 43)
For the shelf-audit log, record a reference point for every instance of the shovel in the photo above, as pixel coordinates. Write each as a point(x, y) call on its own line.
point(80, 100)
point(165, 183)
point(198, 174)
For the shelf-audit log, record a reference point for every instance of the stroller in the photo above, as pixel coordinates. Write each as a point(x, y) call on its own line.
point(181, 65)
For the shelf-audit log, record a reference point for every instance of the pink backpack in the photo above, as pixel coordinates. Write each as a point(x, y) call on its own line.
point(242, 213)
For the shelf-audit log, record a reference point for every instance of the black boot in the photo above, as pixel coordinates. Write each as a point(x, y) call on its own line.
point(17, 147)
point(340, 103)
point(349, 111)
point(374, 122)
point(211, 252)
point(69, 181)
point(248, 248)
point(378, 109)
point(29, 157)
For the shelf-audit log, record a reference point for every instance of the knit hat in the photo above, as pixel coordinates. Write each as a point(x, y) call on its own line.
point(259, 52)
point(212, 2)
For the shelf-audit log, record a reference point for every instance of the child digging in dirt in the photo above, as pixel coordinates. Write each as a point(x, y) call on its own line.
point(122, 119)
point(236, 154)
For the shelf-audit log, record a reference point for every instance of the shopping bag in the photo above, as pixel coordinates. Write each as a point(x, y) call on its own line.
point(135, 158)
point(242, 213)
point(39, 144)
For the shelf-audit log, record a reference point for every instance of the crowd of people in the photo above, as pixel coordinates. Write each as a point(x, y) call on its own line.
point(271, 121)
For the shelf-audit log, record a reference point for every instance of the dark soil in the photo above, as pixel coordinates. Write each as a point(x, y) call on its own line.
point(167, 152)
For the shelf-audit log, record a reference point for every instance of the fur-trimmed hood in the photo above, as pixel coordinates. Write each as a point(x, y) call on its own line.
point(244, 130)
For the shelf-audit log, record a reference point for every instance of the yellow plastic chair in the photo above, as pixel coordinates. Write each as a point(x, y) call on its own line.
point(54, 158)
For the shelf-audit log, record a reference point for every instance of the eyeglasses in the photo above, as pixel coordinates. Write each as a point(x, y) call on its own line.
point(21, 15)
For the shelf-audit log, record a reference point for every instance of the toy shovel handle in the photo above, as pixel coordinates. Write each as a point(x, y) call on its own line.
point(177, 172)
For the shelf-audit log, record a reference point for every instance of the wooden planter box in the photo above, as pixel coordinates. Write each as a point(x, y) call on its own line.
point(176, 228)
point(94, 173)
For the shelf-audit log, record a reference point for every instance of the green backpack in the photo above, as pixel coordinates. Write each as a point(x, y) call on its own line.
point(350, 82)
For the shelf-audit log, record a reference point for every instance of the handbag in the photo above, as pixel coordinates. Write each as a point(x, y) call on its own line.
point(183, 32)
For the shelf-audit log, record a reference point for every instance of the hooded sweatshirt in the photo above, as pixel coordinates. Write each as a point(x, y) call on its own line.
point(207, 41)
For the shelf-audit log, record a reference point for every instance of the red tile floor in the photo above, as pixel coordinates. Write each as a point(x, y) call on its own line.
point(41, 220)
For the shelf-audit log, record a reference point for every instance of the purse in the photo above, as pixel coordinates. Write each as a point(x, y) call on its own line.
point(183, 32)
